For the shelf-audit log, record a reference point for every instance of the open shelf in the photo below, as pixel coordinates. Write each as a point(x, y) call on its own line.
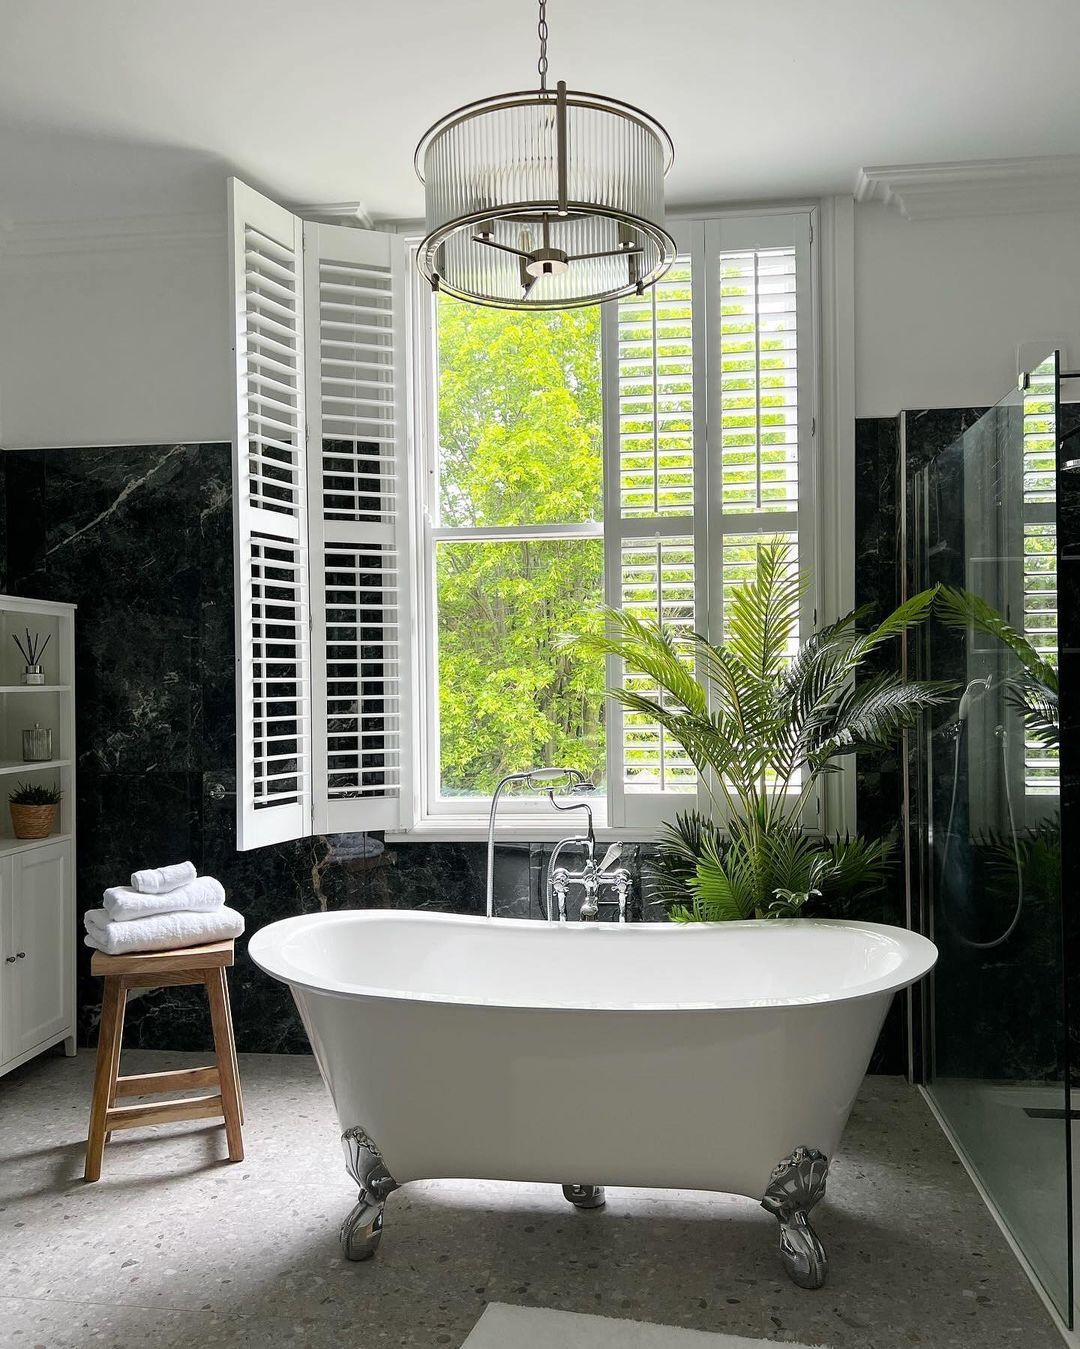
point(10, 845)
point(31, 766)
point(35, 688)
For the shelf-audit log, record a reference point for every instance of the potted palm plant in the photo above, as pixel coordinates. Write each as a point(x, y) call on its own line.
point(762, 726)
point(33, 810)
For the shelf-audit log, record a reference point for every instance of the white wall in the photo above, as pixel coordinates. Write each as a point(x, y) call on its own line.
point(942, 305)
point(115, 343)
point(126, 341)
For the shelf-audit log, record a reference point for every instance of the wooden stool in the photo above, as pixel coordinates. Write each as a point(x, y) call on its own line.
point(161, 969)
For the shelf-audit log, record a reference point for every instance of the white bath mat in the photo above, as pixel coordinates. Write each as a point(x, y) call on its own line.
point(506, 1327)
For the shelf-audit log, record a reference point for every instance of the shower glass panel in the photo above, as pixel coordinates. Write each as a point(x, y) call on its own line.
point(985, 816)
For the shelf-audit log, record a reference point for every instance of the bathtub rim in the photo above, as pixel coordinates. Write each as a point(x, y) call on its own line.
point(264, 948)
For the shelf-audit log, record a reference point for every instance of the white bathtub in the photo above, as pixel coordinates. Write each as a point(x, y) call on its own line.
point(718, 1057)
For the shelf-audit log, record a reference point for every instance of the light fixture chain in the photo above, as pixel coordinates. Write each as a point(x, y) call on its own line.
point(542, 33)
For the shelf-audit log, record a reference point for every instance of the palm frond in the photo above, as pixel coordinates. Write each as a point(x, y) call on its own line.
point(723, 887)
point(1039, 707)
point(762, 615)
point(859, 866)
point(905, 616)
point(872, 712)
point(682, 843)
point(963, 609)
point(646, 649)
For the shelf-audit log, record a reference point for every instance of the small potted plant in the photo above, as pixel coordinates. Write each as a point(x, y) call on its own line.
point(33, 810)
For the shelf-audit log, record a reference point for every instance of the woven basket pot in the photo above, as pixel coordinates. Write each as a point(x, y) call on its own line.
point(32, 821)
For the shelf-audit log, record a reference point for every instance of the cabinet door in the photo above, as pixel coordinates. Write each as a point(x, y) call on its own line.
point(42, 933)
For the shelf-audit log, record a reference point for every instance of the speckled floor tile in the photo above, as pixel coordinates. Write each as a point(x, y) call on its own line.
point(212, 1253)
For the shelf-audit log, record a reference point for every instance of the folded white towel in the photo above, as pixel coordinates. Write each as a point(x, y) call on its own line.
point(157, 880)
point(201, 895)
point(161, 932)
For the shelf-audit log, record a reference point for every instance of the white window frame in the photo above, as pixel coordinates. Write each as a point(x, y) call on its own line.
point(826, 517)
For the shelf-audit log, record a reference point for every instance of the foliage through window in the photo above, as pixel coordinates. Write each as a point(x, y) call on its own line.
point(518, 550)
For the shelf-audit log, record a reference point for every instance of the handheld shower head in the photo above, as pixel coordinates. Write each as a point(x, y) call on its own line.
point(975, 689)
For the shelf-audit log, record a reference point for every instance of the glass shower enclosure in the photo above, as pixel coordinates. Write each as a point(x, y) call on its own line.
point(981, 520)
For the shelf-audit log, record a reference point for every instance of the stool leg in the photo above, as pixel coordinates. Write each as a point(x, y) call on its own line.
point(230, 1102)
point(110, 1034)
point(232, 1044)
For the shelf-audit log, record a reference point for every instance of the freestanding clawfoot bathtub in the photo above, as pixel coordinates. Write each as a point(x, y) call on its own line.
point(718, 1057)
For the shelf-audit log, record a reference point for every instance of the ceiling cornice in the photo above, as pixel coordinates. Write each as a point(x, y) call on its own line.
point(352, 213)
point(974, 187)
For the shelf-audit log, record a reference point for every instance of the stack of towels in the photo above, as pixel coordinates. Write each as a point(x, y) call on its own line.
point(162, 910)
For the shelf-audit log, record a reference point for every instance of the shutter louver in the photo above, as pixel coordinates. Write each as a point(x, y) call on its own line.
point(657, 587)
point(656, 399)
point(355, 301)
point(270, 507)
point(759, 452)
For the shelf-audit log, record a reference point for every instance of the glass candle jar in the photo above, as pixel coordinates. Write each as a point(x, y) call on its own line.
point(37, 744)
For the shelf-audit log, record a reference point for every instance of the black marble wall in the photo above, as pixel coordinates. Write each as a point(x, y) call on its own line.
point(997, 1012)
point(141, 539)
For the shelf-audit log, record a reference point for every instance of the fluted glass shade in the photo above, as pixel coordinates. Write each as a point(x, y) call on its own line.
point(544, 200)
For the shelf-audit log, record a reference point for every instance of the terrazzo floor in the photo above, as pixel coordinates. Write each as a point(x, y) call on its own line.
point(174, 1246)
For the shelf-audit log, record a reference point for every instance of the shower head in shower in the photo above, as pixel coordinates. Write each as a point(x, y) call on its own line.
point(977, 688)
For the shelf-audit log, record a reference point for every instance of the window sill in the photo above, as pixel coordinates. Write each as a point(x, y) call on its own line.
point(524, 829)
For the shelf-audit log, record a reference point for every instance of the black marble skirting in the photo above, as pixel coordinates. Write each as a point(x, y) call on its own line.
point(141, 539)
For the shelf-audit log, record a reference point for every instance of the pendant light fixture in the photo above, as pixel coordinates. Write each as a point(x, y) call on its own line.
point(544, 200)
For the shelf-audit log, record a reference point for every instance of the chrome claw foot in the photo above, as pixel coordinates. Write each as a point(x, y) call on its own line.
point(362, 1229)
point(795, 1186)
point(585, 1196)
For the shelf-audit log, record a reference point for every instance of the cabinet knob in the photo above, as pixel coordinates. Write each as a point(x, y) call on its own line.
point(10, 960)
point(20, 955)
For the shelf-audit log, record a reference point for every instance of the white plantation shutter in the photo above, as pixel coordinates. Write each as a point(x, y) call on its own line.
point(697, 484)
point(654, 515)
point(356, 381)
point(1040, 606)
point(270, 520)
point(760, 420)
point(761, 366)
point(319, 521)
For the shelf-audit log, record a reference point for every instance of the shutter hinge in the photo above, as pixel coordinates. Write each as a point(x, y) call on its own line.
point(813, 426)
point(811, 232)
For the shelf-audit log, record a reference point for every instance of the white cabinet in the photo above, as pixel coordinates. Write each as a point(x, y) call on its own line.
point(37, 894)
point(37, 933)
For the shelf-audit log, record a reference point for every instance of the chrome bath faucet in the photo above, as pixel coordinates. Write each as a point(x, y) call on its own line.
point(602, 884)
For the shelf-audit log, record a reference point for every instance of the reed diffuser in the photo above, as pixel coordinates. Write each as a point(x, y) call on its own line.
point(31, 654)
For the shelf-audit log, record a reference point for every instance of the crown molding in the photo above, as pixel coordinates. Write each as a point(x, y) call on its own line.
point(118, 234)
point(974, 187)
point(352, 213)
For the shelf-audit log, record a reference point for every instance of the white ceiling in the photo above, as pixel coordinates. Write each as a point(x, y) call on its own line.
point(138, 107)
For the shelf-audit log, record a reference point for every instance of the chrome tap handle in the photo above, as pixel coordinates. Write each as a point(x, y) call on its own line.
point(622, 881)
point(612, 855)
point(558, 886)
